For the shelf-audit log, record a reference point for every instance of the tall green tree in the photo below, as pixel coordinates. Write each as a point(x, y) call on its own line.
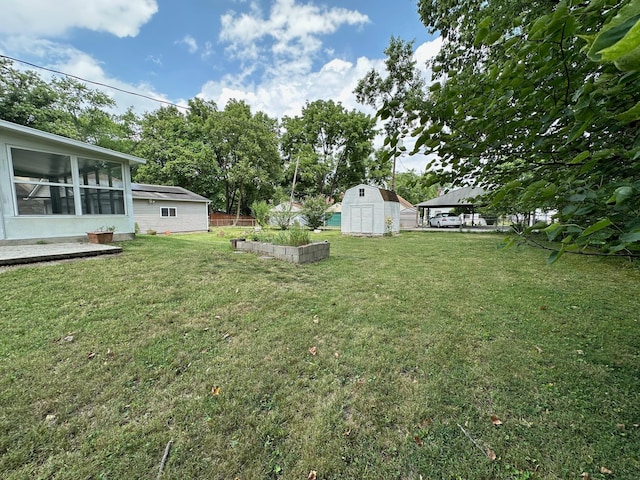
point(63, 106)
point(398, 95)
point(178, 151)
point(538, 101)
point(416, 188)
point(330, 146)
point(245, 149)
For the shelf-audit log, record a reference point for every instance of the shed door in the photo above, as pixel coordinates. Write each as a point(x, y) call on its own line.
point(362, 219)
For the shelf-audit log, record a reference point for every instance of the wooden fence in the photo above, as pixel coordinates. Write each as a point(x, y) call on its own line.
point(227, 219)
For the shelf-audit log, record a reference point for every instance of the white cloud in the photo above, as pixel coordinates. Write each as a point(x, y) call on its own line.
point(121, 18)
point(289, 32)
point(190, 42)
point(67, 59)
point(286, 92)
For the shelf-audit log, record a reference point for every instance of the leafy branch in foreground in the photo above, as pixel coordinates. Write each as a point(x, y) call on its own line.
point(543, 110)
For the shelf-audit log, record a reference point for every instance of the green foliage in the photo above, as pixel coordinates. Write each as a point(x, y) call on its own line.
point(283, 216)
point(229, 156)
point(399, 96)
point(538, 102)
point(330, 145)
point(416, 188)
point(63, 106)
point(294, 236)
point(261, 210)
point(178, 151)
point(316, 212)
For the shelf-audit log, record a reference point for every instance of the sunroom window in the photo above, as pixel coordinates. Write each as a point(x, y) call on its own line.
point(43, 183)
point(51, 184)
point(101, 187)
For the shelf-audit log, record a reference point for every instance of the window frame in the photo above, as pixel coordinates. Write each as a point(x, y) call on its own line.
point(169, 210)
point(76, 184)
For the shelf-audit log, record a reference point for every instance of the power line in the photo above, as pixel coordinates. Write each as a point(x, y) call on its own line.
point(94, 83)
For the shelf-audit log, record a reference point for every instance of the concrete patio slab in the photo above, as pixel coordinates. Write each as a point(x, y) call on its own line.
point(20, 254)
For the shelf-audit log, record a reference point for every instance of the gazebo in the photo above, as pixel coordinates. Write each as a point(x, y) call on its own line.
point(462, 197)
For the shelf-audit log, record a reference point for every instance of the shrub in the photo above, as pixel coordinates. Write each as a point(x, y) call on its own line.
point(295, 237)
point(261, 211)
point(316, 211)
point(282, 218)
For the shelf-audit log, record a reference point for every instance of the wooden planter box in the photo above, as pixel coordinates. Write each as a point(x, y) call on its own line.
point(313, 252)
point(100, 237)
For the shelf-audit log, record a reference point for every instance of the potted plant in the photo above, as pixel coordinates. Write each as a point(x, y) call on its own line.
point(101, 235)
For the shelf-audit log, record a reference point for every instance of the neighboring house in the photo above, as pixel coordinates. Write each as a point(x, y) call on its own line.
point(408, 214)
point(279, 214)
point(368, 210)
point(53, 188)
point(162, 208)
point(336, 215)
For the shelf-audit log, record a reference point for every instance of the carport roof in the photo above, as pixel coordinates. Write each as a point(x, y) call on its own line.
point(462, 197)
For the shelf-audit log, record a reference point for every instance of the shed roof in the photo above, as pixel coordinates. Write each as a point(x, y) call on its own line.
point(64, 141)
point(164, 192)
point(389, 195)
point(461, 197)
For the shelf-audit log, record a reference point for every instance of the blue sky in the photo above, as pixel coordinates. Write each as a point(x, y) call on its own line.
point(275, 55)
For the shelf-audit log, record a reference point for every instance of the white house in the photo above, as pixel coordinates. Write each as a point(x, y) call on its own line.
point(408, 214)
point(53, 188)
point(164, 208)
point(287, 213)
point(368, 210)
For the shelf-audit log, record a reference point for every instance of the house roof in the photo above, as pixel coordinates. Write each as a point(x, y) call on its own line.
point(404, 203)
point(462, 197)
point(164, 192)
point(21, 130)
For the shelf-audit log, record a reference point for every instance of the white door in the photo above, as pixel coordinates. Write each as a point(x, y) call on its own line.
point(362, 219)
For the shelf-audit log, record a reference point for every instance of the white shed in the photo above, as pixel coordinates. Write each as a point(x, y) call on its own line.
point(163, 208)
point(368, 210)
point(53, 188)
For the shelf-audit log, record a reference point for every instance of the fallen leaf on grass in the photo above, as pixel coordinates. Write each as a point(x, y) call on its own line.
point(337, 355)
point(91, 355)
point(495, 420)
point(418, 440)
point(620, 426)
point(313, 350)
point(425, 423)
point(605, 470)
point(312, 475)
point(347, 433)
point(315, 319)
point(585, 476)
point(537, 348)
point(215, 391)
point(491, 454)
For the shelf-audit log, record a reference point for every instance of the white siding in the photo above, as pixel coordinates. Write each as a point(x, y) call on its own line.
point(14, 227)
point(190, 216)
point(365, 215)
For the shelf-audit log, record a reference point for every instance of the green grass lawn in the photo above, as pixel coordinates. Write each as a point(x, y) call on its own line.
point(418, 341)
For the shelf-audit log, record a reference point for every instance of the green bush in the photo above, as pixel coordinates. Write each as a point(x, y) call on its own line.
point(282, 218)
point(295, 237)
point(316, 212)
point(260, 211)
